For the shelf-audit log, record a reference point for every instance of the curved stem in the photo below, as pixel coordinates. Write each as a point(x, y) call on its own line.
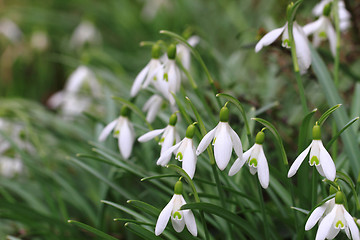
point(262, 205)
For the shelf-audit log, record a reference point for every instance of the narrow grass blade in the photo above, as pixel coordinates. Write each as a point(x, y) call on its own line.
point(141, 232)
point(340, 132)
point(326, 114)
point(95, 231)
point(304, 130)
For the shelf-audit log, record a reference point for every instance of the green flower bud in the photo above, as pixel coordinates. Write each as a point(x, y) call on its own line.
point(224, 114)
point(178, 189)
point(260, 137)
point(155, 51)
point(339, 198)
point(173, 119)
point(125, 111)
point(327, 9)
point(190, 131)
point(332, 190)
point(171, 51)
point(316, 131)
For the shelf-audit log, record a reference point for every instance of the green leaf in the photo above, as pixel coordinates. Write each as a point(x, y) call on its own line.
point(241, 109)
point(340, 132)
point(323, 117)
point(301, 210)
point(158, 176)
point(278, 142)
point(343, 176)
point(341, 117)
point(227, 215)
point(93, 230)
point(144, 207)
point(304, 130)
point(141, 232)
point(182, 109)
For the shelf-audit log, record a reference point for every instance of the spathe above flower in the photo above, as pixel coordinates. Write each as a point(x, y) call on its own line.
point(123, 130)
point(184, 152)
point(256, 160)
point(301, 43)
point(179, 218)
point(225, 139)
point(318, 157)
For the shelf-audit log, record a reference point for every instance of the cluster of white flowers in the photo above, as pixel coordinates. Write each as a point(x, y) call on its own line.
point(321, 29)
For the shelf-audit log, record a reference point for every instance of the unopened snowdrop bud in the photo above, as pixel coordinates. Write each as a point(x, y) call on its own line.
point(260, 138)
point(327, 9)
point(316, 132)
point(224, 114)
point(178, 189)
point(173, 119)
point(125, 111)
point(171, 51)
point(339, 198)
point(190, 131)
point(155, 51)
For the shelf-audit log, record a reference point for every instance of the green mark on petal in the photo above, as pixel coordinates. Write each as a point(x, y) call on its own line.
point(154, 78)
point(253, 162)
point(322, 34)
point(179, 156)
point(214, 141)
point(161, 140)
point(286, 43)
point(117, 132)
point(339, 224)
point(177, 215)
point(314, 160)
point(166, 77)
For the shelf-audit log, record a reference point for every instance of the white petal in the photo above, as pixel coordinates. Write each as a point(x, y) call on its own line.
point(149, 103)
point(332, 233)
point(56, 99)
point(236, 166)
point(312, 27)
point(189, 160)
point(154, 109)
point(247, 154)
point(164, 157)
point(205, 141)
point(150, 135)
point(190, 222)
point(222, 147)
point(302, 48)
point(269, 38)
point(296, 164)
point(315, 216)
point(139, 81)
point(352, 225)
point(164, 217)
point(193, 40)
point(332, 38)
point(126, 139)
point(263, 169)
point(76, 79)
point(325, 225)
point(107, 130)
point(169, 139)
point(178, 224)
point(319, 8)
point(236, 142)
point(327, 163)
point(320, 170)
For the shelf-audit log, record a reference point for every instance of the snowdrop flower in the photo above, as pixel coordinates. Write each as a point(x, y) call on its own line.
point(338, 218)
point(172, 74)
point(10, 30)
point(322, 29)
point(169, 138)
point(152, 107)
point(225, 139)
point(183, 52)
point(319, 213)
point(301, 43)
point(152, 73)
point(184, 152)
point(9, 167)
point(179, 218)
point(344, 15)
point(318, 157)
point(85, 33)
point(123, 130)
point(39, 41)
point(256, 160)
point(151, 8)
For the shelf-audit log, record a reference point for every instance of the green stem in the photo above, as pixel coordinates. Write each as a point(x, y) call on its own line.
point(262, 205)
point(338, 42)
point(314, 188)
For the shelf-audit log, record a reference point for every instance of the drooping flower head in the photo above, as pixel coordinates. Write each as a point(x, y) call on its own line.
point(319, 157)
point(337, 219)
point(256, 160)
point(123, 130)
point(224, 139)
point(172, 74)
point(301, 43)
point(179, 218)
point(184, 152)
point(169, 136)
point(85, 33)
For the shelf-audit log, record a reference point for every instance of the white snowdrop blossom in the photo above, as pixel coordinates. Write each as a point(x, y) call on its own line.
point(183, 52)
point(318, 157)
point(172, 74)
point(337, 219)
point(152, 107)
point(70, 99)
point(9, 167)
point(255, 158)
point(85, 33)
point(179, 218)
point(301, 43)
point(224, 140)
point(319, 213)
point(322, 29)
point(344, 15)
point(184, 152)
point(39, 41)
point(10, 30)
point(123, 130)
point(169, 136)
